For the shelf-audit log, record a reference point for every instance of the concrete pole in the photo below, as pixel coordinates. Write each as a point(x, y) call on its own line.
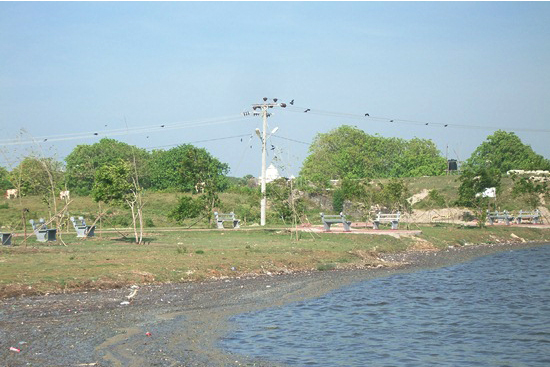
point(263, 136)
point(263, 203)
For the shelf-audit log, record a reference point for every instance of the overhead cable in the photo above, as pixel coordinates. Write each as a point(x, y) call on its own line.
point(367, 116)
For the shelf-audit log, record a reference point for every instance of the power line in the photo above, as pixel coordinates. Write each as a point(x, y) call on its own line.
point(366, 116)
point(293, 140)
point(124, 131)
point(200, 141)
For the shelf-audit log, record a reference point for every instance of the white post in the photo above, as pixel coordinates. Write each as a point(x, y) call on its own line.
point(263, 203)
point(263, 136)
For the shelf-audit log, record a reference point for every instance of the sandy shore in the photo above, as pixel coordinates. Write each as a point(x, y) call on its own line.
point(173, 324)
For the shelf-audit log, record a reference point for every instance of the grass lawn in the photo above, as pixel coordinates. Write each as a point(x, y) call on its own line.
point(179, 255)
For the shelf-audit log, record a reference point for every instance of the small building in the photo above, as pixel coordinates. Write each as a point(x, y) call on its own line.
point(271, 174)
point(452, 165)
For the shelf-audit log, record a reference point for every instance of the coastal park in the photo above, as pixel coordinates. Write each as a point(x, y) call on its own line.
point(198, 251)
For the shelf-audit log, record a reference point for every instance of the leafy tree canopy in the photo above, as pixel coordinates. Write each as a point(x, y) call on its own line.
point(85, 160)
point(531, 190)
point(348, 152)
point(37, 176)
point(505, 151)
point(473, 182)
point(184, 167)
point(337, 154)
point(4, 179)
point(113, 183)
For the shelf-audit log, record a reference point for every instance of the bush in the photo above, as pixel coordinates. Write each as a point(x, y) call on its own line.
point(188, 207)
point(432, 201)
point(119, 221)
point(338, 200)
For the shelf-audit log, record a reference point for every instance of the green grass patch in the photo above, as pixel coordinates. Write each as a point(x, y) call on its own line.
point(175, 255)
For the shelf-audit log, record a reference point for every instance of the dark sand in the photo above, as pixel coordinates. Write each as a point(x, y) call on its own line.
point(186, 320)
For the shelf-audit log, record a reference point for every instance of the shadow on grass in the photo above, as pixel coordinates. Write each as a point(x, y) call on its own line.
point(145, 240)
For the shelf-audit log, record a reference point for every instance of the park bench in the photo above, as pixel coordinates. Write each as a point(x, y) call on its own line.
point(496, 216)
point(328, 220)
point(42, 232)
point(392, 218)
point(532, 216)
point(82, 230)
point(6, 238)
point(226, 217)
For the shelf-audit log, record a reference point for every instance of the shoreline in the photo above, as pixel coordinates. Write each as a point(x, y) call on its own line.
point(185, 320)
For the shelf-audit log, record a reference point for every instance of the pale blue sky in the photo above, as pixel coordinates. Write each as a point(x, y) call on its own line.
point(69, 68)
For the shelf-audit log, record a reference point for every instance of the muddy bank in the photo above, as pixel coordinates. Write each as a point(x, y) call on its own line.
point(173, 324)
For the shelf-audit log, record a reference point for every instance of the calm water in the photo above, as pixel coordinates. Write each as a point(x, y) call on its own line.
point(493, 311)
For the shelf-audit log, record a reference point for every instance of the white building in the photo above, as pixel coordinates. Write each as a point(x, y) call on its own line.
point(271, 174)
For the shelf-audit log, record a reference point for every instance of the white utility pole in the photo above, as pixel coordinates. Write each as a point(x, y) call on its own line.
point(263, 107)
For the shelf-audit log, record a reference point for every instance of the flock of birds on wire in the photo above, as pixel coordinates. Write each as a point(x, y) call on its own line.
point(291, 108)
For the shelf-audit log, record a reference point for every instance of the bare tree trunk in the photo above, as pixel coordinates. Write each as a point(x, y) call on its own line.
point(140, 216)
point(132, 205)
point(139, 201)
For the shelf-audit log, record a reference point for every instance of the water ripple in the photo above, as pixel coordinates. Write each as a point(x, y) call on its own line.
point(493, 311)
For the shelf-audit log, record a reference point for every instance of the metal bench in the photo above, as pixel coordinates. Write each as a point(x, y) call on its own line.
point(532, 216)
point(82, 230)
point(226, 217)
point(6, 238)
point(497, 216)
point(392, 218)
point(42, 232)
point(329, 220)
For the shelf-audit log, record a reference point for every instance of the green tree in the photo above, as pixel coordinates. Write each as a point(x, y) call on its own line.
point(5, 182)
point(117, 183)
point(186, 168)
point(505, 151)
point(530, 190)
point(348, 152)
point(283, 200)
point(383, 153)
point(394, 195)
point(420, 157)
point(37, 176)
point(189, 207)
point(85, 160)
point(335, 155)
point(473, 183)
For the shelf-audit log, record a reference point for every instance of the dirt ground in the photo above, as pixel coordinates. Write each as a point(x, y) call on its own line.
point(173, 324)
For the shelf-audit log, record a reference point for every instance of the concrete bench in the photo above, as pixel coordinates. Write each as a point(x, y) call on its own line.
point(532, 216)
point(497, 216)
point(329, 220)
point(42, 232)
point(226, 217)
point(392, 218)
point(6, 238)
point(82, 230)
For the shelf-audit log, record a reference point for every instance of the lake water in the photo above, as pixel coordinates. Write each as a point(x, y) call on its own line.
point(492, 311)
